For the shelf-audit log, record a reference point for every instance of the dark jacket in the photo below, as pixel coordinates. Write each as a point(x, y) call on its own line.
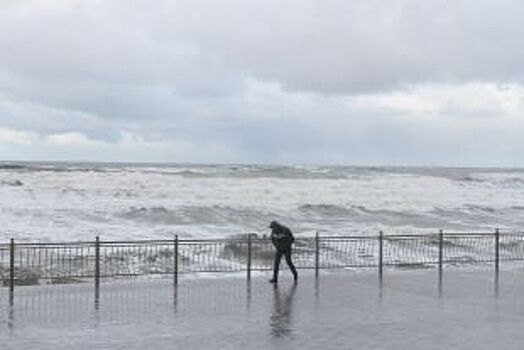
point(281, 236)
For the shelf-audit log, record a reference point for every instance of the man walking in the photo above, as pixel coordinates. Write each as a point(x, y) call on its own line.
point(282, 239)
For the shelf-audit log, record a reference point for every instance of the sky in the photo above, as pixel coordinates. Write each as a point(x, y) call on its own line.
point(356, 82)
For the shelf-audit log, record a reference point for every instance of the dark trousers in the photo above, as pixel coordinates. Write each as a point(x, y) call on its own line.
point(276, 264)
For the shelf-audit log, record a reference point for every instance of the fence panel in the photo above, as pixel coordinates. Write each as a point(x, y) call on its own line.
point(511, 247)
point(4, 264)
point(469, 248)
point(227, 255)
point(54, 261)
point(411, 250)
point(339, 252)
point(136, 258)
point(65, 261)
point(262, 253)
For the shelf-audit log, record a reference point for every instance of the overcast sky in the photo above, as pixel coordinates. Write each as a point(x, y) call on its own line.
point(363, 82)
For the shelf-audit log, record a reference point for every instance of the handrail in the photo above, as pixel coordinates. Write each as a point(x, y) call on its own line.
point(236, 239)
point(99, 258)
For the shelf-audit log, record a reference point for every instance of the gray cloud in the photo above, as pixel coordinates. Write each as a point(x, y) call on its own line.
point(204, 46)
point(361, 81)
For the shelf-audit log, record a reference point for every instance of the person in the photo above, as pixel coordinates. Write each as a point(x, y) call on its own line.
point(282, 238)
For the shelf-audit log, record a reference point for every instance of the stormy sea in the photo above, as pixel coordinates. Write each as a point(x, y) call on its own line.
point(77, 201)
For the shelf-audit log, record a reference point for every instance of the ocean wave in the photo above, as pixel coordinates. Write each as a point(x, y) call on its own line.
point(12, 167)
point(192, 170)
point(479, 209)
point(465, 217)
point(13, 183)
point(200, 215)
point(325, 210)
point(142, 200)
point(468, 211)
point(362, 215)
point(355, 210)
point(513, 181)
point(253, 171)
point(495, 178)
point(470, 178)
point(62, 167)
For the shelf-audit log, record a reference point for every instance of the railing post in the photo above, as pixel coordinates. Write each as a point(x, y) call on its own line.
point(440, 249)
point(249, 244)
point(12, 266)
point(175, 261)
point(380, 253)
point(97, 263)
point(497, 243)
point(317, 254)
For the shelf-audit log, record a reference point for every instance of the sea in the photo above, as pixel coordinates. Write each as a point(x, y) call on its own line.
point(57, 201)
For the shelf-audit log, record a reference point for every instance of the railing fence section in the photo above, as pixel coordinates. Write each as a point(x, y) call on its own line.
point(31, 263)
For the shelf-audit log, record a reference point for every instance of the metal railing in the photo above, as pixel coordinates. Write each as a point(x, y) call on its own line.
point(29, 263)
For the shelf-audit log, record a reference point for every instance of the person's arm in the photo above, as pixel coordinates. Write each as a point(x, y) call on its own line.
point(287, 232)
point(278, 234)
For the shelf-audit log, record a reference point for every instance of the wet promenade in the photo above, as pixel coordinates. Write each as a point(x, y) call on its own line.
point(342, 310)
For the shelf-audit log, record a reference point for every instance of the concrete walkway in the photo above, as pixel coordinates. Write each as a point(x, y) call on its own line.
point(342, 310)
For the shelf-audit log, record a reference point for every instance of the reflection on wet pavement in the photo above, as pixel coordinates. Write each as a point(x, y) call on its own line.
point(406, 310)
point(280, 321)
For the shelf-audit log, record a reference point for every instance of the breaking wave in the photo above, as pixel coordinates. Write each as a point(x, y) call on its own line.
point(465, 217)
point(190, 215)
point(495, 179)
point(362, 214)
point(65, 200)
point(13, 183)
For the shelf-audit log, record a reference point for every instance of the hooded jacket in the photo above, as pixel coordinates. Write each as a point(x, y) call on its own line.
point(281, 236)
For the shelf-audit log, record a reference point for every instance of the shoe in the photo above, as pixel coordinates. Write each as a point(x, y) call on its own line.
point(273, 280)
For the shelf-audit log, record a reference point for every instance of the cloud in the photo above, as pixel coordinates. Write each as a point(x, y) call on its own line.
point(361, 81)
point(469, 100)
point(15, 137)
point(204, 47)
point(16, 145)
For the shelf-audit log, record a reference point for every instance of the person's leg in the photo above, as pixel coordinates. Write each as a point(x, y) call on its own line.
point(276, 265)
point(289, 262)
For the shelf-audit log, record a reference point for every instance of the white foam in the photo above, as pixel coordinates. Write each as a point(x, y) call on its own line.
point(216, 201)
